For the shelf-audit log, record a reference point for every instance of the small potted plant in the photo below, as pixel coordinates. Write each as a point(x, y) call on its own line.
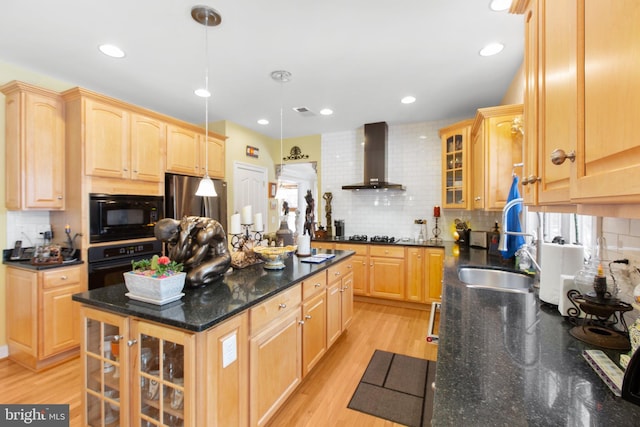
point(158, 280)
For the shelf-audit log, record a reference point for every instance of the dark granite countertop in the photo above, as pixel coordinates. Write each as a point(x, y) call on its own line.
point(400, 242)
point(202, 308)
point(506, 359)
point(26, 265)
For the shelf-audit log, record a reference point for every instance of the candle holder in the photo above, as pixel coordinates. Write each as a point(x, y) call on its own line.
point(436, 232)
point(239, 241)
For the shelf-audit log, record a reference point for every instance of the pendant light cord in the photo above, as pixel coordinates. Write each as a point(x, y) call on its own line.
point(206, 102)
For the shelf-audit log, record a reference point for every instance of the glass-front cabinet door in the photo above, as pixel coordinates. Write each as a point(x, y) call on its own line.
point(455, 165)
point(106, 385)
point(163, 379)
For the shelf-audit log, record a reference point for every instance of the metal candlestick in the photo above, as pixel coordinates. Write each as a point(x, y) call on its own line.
point(436, 232)
point(239, 240)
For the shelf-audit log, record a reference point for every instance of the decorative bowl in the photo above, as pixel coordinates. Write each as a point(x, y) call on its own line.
point(154, 290)
point(274, 256)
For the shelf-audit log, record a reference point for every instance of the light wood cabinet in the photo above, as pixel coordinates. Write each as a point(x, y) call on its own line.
point(607, 165)
point(314, 330)
point(424, 274)
point(339, 300)
point(35, 142)
point(138, 372)
point(497, 147)
point(186, 152)
point(42, 321)
point(323, 245)
point(121, 144)
point(360, 266)
point(387, 270)
point(275, 355)
point(456, 165)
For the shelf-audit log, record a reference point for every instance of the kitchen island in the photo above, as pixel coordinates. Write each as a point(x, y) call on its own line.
point(506, 359)
point(190, 362)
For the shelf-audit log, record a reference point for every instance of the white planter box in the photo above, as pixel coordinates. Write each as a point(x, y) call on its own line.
point(154, 290)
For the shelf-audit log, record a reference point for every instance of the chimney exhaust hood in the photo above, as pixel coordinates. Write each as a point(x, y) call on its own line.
point(375, 160)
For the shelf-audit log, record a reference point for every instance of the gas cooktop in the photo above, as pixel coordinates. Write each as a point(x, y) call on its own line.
point(375, 239)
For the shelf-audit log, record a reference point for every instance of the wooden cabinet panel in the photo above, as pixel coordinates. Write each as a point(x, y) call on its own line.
point(334, 312)
point(346, 301)
point(216, 153)
point(607, 167)
point(530, 173)
point(314, 331)
point(275, 367)
point(35, 144)
point(323, 245)
point(456, 165)
point(147, 148)
point(415, 275)
point(228, 381)
point(387, 277)
point(263, 313)
point(22, 311)
point(60, 320)
point(183, 150)
point(434, 265)
point(106, 139)
point(497, 147)
point(314, 284)
point(558, 97)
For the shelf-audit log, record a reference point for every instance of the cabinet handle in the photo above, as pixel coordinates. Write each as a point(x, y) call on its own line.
point(59, 197)
point(307, 316)
point(135, 171)
point(477, 198)
point(282, 305)
point(532, 179)
point(317, 285)
point(117, 338)
point(131, 343)
point(64, 277)
point(558, 156)
point(300, 322)
point(337, 273)
point(349, 266)
point(125, 169)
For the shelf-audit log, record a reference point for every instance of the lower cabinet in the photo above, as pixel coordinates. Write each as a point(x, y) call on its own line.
point(339, 300)
point(314, 320)
point(275, 349)
point(424, 274)
point(360, 266)
point(142, 373)
point(387, 272)
point(42, 321)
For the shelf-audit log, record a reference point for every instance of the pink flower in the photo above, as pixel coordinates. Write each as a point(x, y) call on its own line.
point(164, 260)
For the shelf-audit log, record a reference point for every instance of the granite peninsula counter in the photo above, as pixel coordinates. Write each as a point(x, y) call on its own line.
point(506, 359)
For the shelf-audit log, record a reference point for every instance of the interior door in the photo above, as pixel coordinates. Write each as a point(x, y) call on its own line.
point(250, 188)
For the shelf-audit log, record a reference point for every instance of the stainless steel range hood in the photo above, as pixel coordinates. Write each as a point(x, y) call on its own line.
point(375, 160)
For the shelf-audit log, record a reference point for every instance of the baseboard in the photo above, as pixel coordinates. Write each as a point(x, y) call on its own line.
point(4, 351)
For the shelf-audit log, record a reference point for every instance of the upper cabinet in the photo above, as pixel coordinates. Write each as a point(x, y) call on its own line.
point(187, 152)
point(582, 55)
point(118, 142)
point(35, 161)
point(456, 161)
point(496, 139)
point(607, 165)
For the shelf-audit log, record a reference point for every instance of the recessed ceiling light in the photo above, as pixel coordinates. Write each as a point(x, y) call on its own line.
point(202, 93)
point(408, 99)
point(263, 122)
point(326, 111)
point(500, 5)
point(111, 50)
point(491, 49)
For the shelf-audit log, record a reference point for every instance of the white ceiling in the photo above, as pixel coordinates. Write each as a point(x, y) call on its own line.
point(357, 57)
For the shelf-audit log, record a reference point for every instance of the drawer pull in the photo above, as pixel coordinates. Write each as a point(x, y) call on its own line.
point(282, 305)
point(300, 322)
point(307, 316)
point(558, 156)
point(349, 266)
point(131, 343)
point(317, 285)
point(64, 277)
point(337, 273)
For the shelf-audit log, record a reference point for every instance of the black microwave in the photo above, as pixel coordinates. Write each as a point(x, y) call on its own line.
point(123, 217)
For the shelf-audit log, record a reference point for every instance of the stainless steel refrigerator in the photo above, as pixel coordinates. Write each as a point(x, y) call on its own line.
point(180, 199)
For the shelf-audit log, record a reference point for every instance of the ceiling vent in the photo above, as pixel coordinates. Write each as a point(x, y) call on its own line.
point(304, 111)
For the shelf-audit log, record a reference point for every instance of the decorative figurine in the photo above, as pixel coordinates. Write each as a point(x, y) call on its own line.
point(309, 222)
point(327, 208)
point(199, 243)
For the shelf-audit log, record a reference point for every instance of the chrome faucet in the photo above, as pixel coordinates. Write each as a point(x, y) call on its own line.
point(502, 246)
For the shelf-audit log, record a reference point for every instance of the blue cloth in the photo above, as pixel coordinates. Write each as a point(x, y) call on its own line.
point(513, 222)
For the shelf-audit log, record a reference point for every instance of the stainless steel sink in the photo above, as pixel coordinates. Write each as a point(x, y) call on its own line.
point(496, 279)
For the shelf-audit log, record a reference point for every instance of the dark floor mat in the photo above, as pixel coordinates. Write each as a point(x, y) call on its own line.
point(394, 387)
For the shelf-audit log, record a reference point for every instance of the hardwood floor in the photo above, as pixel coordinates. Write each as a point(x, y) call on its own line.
point(321, 400)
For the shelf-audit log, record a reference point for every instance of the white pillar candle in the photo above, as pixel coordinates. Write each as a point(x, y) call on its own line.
point(304, 244)
point(235, 224)
point(257, 222)
point(246, 214)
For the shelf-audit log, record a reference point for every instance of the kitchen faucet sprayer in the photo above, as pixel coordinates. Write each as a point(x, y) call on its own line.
point(503, 237)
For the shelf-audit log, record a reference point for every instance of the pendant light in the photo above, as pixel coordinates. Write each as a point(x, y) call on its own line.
point(282, 77)
point(208, 17)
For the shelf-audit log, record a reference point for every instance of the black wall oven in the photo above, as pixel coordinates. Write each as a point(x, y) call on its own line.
point(107, 263)
point(122, 217)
